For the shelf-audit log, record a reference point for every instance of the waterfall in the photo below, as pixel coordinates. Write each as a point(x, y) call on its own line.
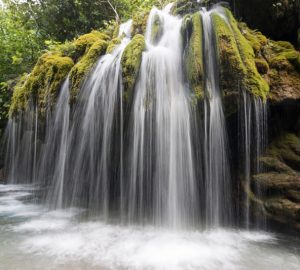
point(253, 124)
point(261, 130)
point(20, 146)
point(161, 168)
point(148, 167)
point(217, 175)
point(53, 155)
point(95, 144)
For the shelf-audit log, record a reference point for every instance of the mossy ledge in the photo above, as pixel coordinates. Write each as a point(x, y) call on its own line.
point(193, 59)
point(43, 83)
point(231, 66)
point(82, 68)
point(85, 42)
point(235, 47)
point(131, 61)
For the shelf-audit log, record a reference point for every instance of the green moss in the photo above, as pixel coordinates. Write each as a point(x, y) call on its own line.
point(85, 42)
point(282, 52)
point(253, 82)
point(286, 148)
point(139, 22)
point(116, 31)
point(262, 66)
point(182, 7)
point(81, 69)
point(194, 56)
point(274, 164)
point(232, 68)
point(43, 82)
point(285, 44)
point(279, 62)
point(256, 39)
point(112, 44)
point(131, 61)
point(20, 97)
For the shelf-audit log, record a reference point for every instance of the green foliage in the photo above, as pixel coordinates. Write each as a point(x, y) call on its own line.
point(19, 46)
point(67, 48)
point(5, 97)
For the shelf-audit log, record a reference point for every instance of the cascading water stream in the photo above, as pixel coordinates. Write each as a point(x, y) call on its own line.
point(161, 167)
point(53, 157)
point(217, 175)
point(152, 177)
point(20, 143)
point(254, 130)
point(95, 144)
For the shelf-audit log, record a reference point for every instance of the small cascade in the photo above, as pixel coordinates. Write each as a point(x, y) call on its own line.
point(217, 175)
point(246, 121)
point(253, 123)
point(20, 146)
point(260, 109)
point(95, 144)
point(53, 156)
point(162, 185)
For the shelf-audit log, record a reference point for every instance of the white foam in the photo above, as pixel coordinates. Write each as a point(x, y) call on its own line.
point(117, 247)
point(56, 240)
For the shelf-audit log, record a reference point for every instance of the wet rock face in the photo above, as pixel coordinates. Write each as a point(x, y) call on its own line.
point(278, 188)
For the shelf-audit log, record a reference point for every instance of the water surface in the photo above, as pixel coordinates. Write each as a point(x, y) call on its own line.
point(31, 237)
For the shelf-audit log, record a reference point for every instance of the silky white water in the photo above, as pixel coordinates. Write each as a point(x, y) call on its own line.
point(146, 187)
point(32, 238)
point(161, 175)
point(217, 174)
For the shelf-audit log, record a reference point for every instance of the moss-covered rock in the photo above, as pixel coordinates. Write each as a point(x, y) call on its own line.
point(285, 44)
point(256, 39)
point(131, 61)
point(253, 82)
point(262, 66)
point(182, 7)
point(277, 62)
point(82, 68)
point(139, 22)
point(273, 164)
point(279, 184)
point(277, 181)
point(112, 44)
point(193, 58)
point(85, 42)
point(42, 84)
point(286, 147)
point(232, 69)
point(283, 209)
